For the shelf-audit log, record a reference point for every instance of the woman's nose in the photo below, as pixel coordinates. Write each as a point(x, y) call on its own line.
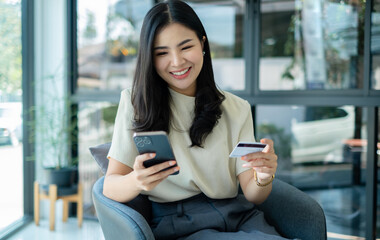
point(177, 59)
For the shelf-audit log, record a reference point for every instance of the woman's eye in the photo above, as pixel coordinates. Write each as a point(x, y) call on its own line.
point(161, 53)
point(187, 47)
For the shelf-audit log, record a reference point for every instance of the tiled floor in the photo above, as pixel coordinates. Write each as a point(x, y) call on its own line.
point(63, 231)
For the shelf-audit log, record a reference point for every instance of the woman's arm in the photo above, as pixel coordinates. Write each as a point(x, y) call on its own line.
point(123, 183)
point(251, 190)
point(265, 165)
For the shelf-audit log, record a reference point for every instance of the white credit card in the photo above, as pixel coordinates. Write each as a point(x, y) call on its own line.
point(244, 148)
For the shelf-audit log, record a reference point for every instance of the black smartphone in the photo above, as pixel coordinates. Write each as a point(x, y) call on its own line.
point(154, 142)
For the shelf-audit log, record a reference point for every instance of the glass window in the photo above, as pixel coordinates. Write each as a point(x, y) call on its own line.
point(378, 163)
point(223, 22)
point(95, 123)
point(311, 44)
point(375, 45)
point(321, 151)
point(11, 150)
point(108, 34)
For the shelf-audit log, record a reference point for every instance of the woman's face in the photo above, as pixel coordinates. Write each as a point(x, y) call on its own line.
point(178, 57)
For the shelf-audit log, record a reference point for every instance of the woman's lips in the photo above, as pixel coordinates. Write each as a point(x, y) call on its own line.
point(181, 74)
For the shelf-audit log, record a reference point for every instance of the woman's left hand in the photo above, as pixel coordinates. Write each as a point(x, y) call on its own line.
point(264, 163)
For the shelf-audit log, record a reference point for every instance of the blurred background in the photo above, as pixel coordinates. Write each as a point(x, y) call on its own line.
point(309, 68)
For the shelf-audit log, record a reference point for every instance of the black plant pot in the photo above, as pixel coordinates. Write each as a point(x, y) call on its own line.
point(63, 177)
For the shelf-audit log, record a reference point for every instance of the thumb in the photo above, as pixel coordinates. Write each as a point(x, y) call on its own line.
point(269, 144)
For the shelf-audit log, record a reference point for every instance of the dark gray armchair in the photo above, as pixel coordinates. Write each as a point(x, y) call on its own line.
point(292, 212)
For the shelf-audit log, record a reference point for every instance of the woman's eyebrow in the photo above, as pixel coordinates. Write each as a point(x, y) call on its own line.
point(178, 45)
point(184, 42)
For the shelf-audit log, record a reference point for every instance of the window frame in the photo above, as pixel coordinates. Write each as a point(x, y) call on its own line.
point(364, 97)
point(27, 41)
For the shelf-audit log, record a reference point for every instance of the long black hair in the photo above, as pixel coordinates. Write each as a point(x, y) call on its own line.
point(150, 93)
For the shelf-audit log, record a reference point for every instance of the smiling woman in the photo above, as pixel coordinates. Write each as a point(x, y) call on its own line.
point(178, 57)
point(174, 91)
point(107, 43)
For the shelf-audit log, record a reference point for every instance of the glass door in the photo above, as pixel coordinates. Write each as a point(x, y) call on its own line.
point(11, 140)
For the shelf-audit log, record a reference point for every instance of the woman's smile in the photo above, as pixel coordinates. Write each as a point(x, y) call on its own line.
point(182, 73)
point(178, 57)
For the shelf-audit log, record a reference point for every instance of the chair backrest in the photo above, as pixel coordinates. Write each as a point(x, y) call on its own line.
point(119, 221)
point(99, 153)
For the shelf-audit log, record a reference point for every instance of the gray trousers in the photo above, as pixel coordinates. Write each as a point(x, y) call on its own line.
point(200, 218)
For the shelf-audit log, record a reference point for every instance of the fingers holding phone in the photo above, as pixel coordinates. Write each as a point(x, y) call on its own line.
point(156, 160)
point(154, 142)
point(149, 177)
point(140, 164)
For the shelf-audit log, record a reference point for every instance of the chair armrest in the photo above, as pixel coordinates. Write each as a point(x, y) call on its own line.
point(117, 220)
point(294, 213)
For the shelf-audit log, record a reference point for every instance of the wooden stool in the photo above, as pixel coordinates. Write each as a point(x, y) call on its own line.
point(53, 196)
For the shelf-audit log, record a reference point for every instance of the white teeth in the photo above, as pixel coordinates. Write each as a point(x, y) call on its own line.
point(181, 73)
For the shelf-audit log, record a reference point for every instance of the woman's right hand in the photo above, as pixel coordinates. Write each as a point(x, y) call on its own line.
point(123, 183)
point(148, 178)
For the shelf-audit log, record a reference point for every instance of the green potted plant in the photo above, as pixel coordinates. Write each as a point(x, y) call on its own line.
point(52, 132)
